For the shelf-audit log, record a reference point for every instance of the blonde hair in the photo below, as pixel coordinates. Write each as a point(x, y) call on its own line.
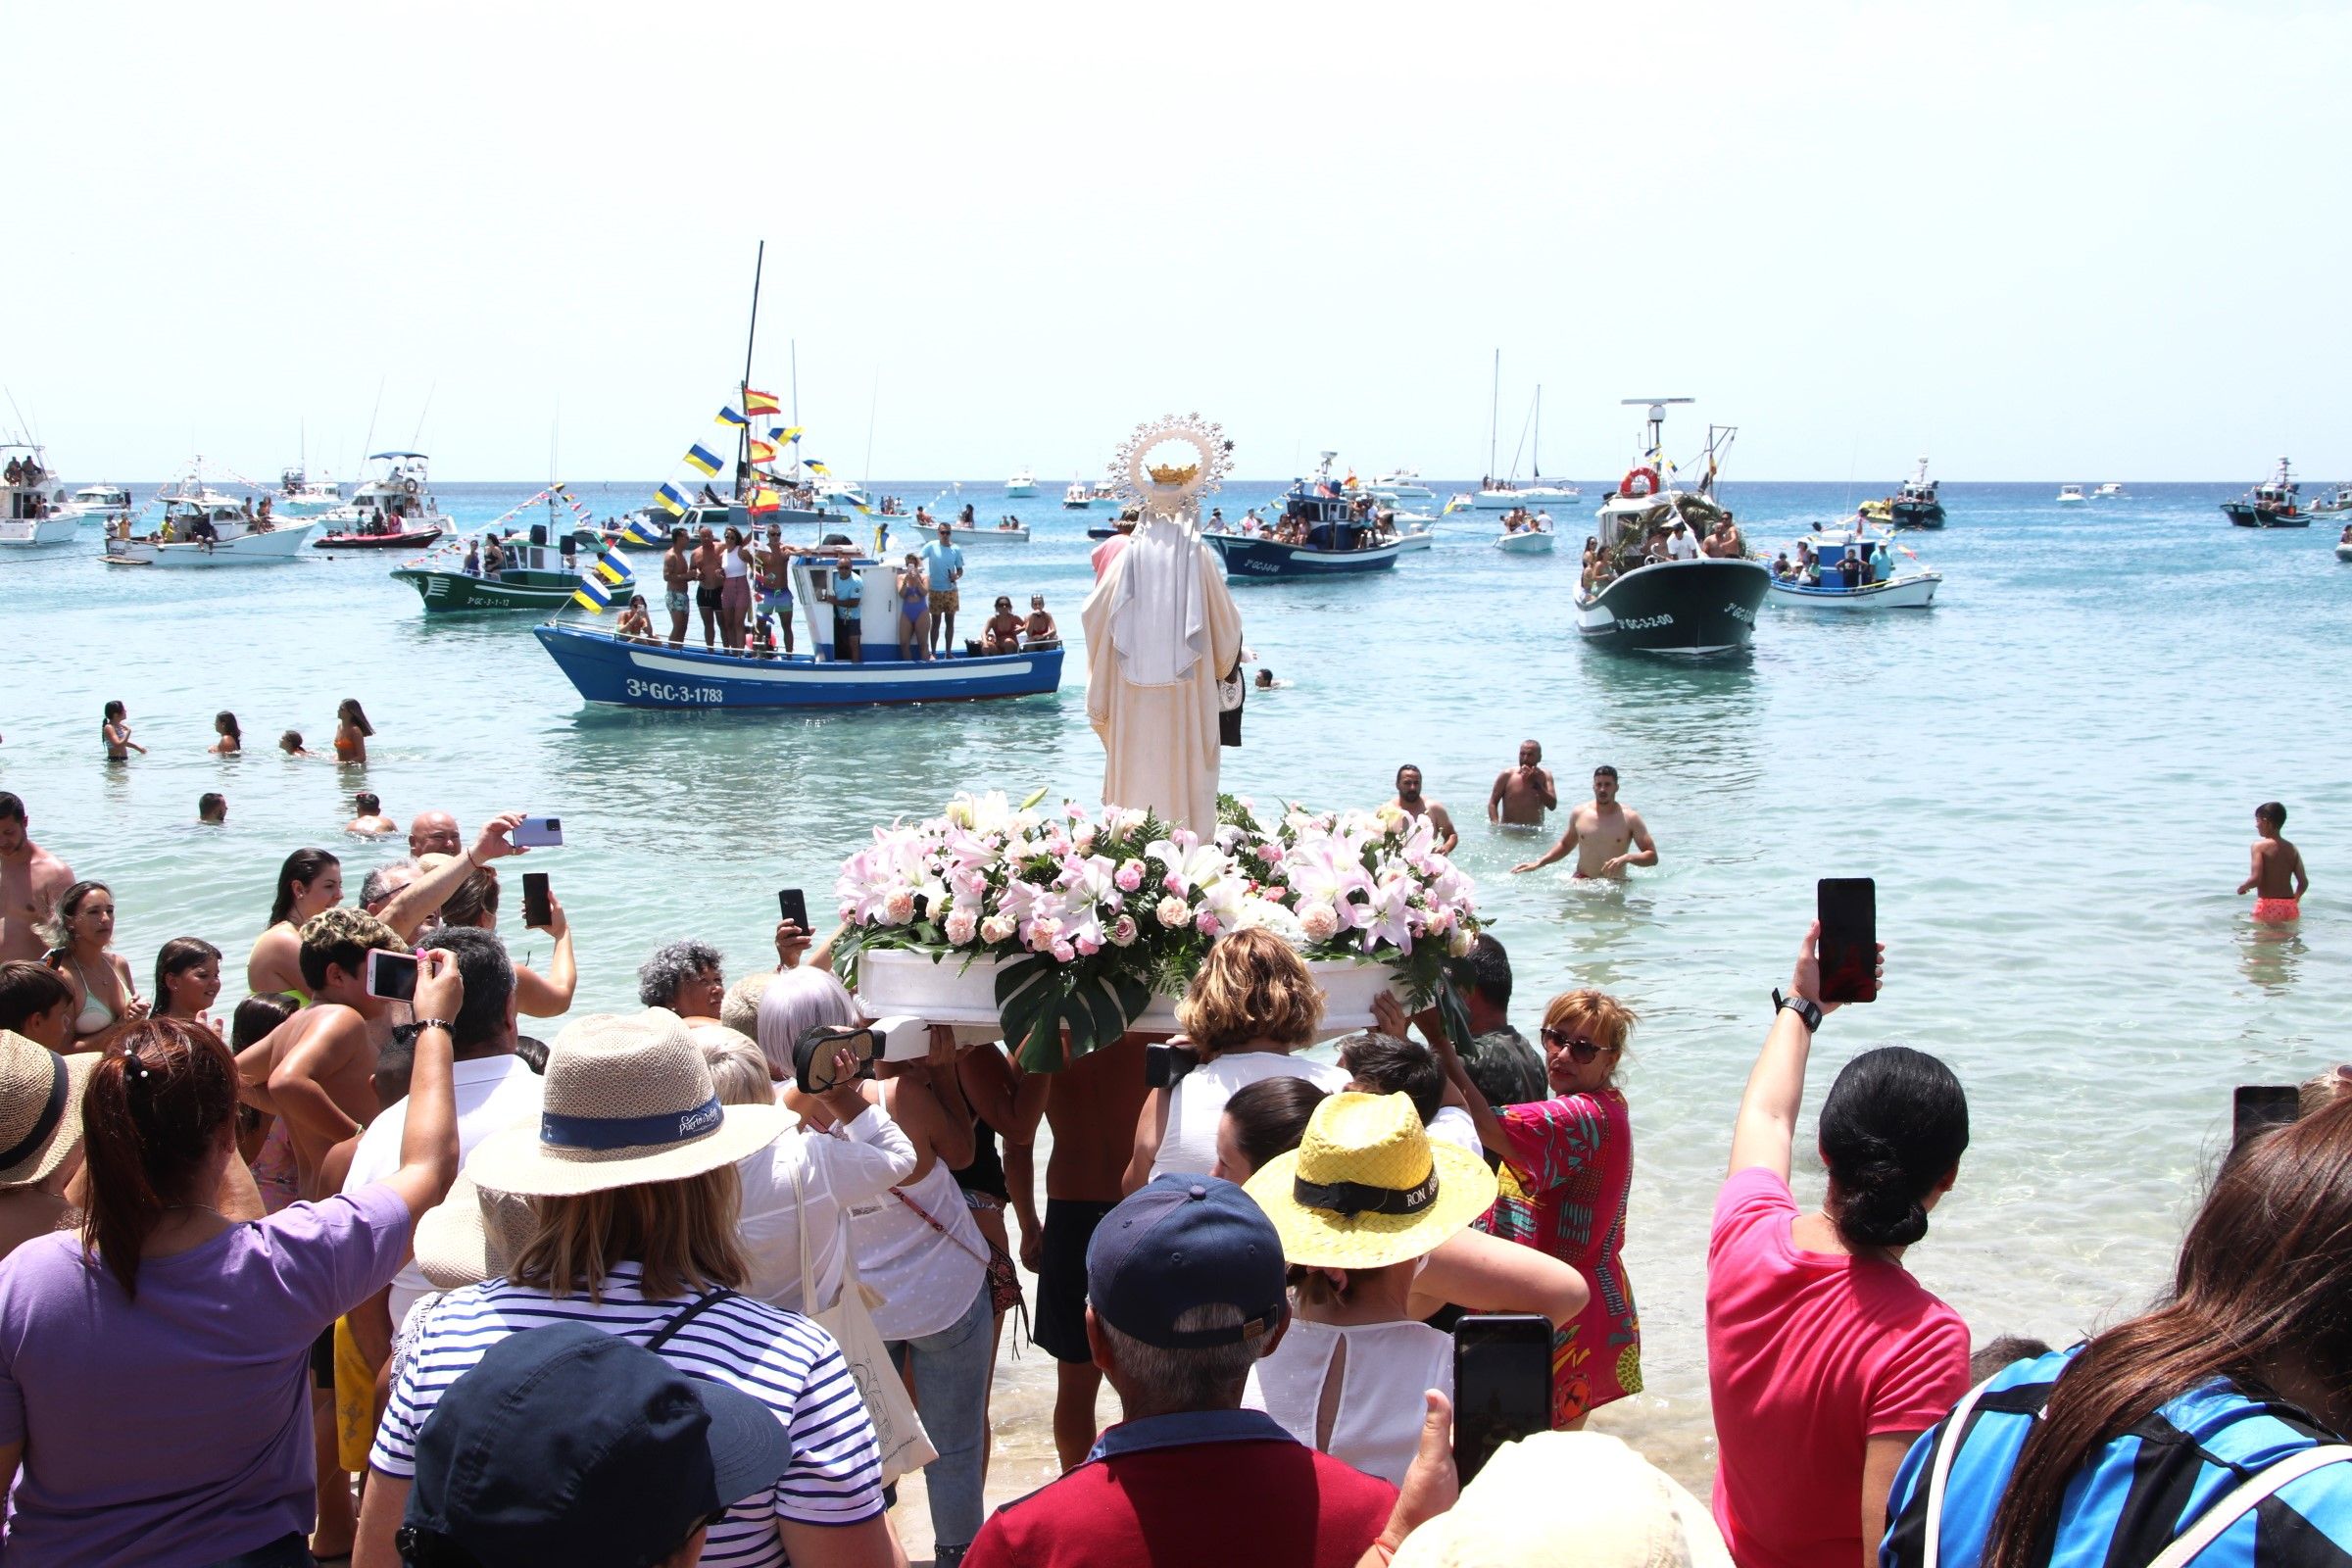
point(738, 1071)
point(681, 1233)
point(1252, 986)
point(1594, 1014)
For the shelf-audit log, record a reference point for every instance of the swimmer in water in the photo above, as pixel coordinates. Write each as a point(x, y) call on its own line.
point(1607, 837)
point(2277, 879)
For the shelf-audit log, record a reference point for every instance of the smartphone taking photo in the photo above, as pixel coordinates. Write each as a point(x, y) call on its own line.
point(537, 915)
point(538, 833)
point(1501, 1385)
point(1848, 910)
point(793, 905)
point(391, 976)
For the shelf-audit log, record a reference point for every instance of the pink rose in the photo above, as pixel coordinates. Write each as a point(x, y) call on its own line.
point(1063, 952)
point(1129, 877)
point(898, 908)
point(1206, 924)
point(962, 925)
point(1173, 912)
point(1123, 931)
point(1320, 921)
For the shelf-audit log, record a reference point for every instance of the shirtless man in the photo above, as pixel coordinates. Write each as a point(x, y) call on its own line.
point(32, 881)
point(676, 572)
point(371, 822)
point(1409, 801)
point(1606, 837)
point(1523, 794)
point(775, 583)
point(2277, 879)
point(709, 583)
point(316, 1070)
point(1091, 1105)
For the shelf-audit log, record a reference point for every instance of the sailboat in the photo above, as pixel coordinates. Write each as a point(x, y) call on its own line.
point(1508, 495)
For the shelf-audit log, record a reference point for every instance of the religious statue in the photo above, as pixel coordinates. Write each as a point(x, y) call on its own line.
point(1161, 629)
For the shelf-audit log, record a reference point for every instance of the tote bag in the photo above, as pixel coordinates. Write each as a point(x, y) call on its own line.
point(898, 1430)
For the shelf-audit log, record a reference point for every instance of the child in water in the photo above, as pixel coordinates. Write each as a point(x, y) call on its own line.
point(2278, 880)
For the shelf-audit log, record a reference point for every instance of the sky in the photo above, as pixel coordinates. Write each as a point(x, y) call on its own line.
point(2041, 242)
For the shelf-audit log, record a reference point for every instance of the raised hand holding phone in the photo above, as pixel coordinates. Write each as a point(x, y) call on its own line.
point(1846, 940)
point(440, 990)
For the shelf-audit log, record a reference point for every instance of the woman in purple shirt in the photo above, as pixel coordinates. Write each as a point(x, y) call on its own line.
point(153, 1407)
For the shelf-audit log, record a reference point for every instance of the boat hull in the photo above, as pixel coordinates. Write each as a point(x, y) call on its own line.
point(1528, 542)
point(1018, 490)
point(1916, 513)
point(1093, 504)
point(1533, 498)
point(1267, 561)
point(2245, 515)
point(447, 593)
point(272, 549)
point(1698, 606)
point(2343, 552)
point(1914, 592)
point(416, 539)
point(607, 669)
point(989, 536)
point(1416, 539)
point(25, 533)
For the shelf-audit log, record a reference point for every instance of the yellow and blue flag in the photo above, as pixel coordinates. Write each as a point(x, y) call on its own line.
point(696, 458)
point(761, 401)
point(673, 499)
point(814, 467)
point(592, 595)
point(638, 531)
point(732, 416)
point(782, 432)
point(613, 568)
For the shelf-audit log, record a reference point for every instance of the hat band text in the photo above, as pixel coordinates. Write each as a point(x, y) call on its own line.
point(629, 1132)
point(1356, 1197)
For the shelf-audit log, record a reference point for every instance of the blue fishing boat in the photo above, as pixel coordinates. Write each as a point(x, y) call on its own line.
point(1323, 533)
point(647, 672)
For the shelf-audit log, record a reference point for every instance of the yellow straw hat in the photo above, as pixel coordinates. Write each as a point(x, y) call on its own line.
point(1366, 1188)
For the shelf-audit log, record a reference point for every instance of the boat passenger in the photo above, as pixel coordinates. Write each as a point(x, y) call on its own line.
point(473, 558)
point(1002, 634)
point(636, 625)
point(1782, 571)
point(847, 596)
point(494, 556)
point(776, 582)
point(1040, 630)
point(915, 609)
point(1881, 565)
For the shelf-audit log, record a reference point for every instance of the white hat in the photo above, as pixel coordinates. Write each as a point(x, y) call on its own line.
point(1569, 1499)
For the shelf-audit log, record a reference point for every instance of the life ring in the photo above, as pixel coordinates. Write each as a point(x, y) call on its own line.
point(1642, 481)
point(410, 486)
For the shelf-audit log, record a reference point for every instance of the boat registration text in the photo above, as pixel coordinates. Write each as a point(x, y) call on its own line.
point(662, 690)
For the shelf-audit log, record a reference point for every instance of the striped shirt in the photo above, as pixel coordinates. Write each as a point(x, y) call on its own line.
point(2137, 1490)
point(780, 1358)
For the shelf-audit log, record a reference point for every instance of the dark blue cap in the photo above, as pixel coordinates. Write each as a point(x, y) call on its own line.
point(566, 1444)
point(1180, 1243)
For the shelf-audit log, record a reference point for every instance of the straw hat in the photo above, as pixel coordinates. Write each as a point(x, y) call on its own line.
point(627, 1099)
point(472, 1235)
point(1366, 1188)
point(1569, 1499)
point(41, 1108)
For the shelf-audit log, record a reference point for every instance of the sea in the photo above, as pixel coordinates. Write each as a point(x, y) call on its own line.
point(2051, 776)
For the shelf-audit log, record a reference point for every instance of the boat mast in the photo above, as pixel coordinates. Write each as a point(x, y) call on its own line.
point(793, 346)
point(1493, 414)
point(743, 433)
point(1536, 455)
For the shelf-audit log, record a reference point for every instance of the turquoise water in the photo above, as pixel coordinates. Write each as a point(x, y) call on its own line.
point(2051, 776)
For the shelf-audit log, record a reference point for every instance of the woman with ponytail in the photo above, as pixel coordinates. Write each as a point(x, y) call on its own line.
point(2113, 1452)
point(153, 1365)
point(1825, 1358)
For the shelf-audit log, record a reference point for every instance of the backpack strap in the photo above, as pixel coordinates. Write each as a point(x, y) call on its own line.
point(2241, 1502)
point(1939, 1472)
point(687, 1315)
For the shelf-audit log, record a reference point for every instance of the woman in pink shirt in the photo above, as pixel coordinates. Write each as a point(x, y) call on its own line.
point(1825, 1358)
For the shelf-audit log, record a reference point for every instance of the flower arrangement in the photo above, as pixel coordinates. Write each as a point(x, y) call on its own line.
point(1086, 920)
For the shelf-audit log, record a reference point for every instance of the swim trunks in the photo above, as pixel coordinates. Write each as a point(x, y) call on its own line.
point(946, 598)
point(1059, 1327)
point(2276, 911)
point(676, 599)
point(706, 598)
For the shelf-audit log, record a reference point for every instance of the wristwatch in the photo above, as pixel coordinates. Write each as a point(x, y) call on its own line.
point(1807, 1012)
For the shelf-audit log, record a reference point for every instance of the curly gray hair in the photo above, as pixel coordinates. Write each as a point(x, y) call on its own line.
point(671, 966)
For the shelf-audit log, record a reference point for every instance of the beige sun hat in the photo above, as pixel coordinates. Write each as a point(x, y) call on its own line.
point(1366, 1188)
point(41, 1108)
point(1569, 1499)
point(472, 1235)
point(627, 1099)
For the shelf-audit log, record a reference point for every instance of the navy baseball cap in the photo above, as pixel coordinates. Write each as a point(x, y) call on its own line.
point(1184, 1241)
point(566, 1444)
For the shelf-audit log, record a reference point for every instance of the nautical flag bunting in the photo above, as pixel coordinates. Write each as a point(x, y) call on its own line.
point(761, 401)
point(699, 459)
point(732, 416)
point(671, 497)
point(762, 451)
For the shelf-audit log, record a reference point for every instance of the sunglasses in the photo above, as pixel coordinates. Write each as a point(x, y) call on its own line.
point(1579, 1050)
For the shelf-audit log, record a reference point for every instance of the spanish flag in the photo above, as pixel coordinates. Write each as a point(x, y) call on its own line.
point(731, 415)
point(671, 497)
point(762, 451)
point(765, 500)
point(761, 403)
point(696, 458)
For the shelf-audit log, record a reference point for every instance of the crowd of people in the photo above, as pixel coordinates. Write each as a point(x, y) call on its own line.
point(358, 1266)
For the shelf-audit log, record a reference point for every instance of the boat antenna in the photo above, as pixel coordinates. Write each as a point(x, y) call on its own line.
point(1494, 413)
point(794, 345)
point(418, 439)
point(374, 412)
point(865, 473)
point(743, 433)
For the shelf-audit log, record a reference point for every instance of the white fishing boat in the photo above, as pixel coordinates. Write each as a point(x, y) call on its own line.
point(28, 514)
point(2339, 504)
point(299, 495)
point(1022, 483)
point(104, 503)
point(1851, 570)
point(1096, 497)
point(2110, 491)
point(394, 510)
point(202, 528)
point(2071, 495)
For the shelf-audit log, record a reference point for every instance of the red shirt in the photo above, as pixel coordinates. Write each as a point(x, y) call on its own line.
point(1227, 1488)
point(1809, 1355)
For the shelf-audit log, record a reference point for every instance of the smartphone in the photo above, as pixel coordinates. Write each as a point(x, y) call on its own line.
point(1848, 907)
point(539, 833)
point(1501, 1384)
point(1164, 1065)
point(2257, 1109)
point(391, 976)
point(535, 911)
point(793, 907)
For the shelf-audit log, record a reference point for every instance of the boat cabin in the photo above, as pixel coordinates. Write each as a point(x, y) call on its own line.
point(1321, 517)
point(21, 499)
point(1839, 560)
point(102, 497)
point(2277, 493)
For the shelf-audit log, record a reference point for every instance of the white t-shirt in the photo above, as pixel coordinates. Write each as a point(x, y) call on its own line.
point(1681, 546)
point(856, 1165)
point(926, 1280)
point(493, 1092)
point(1189, 1147)
point(780, 1358)
point(1378, 1425)
point(1453, 1124)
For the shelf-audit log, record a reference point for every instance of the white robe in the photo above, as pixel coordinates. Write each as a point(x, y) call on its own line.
point(1160, 628)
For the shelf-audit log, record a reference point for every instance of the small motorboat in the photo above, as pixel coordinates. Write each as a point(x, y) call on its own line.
point(2343, 545)
point(1916, 505)
point(28, 517)
point(299, 495)
point(607, 668)
point(1413, 532)
point(2110, 491)
point(532, 575)
point(1010, 531)
point(2337, 505)
point(2271, 504)
point(1023, 483)
point(1836, 571)
point(1099, 496)
point(107, 505)
point(203, 528)
point(1523, 535)
point(2071, 495)
point(388, 538)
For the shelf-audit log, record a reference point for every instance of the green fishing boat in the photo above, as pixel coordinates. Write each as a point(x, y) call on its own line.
point(448, 592)
point(534, 574)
